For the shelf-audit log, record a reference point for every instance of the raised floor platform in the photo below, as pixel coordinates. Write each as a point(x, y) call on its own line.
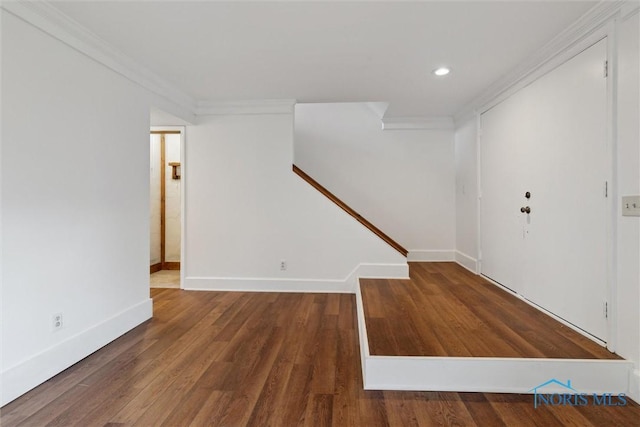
point(445, 310)
point(448, 329)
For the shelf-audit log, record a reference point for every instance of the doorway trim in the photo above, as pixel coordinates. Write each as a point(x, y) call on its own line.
point(164, 265)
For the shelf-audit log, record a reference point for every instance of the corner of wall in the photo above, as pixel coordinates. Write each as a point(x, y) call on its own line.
point(467, 262)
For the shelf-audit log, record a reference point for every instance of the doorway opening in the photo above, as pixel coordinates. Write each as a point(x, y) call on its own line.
point(165, 208)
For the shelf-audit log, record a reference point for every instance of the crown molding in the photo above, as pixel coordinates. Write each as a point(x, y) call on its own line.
point(264, 106)
point(417, 123)
point(48, 18)
point(378, 108)
point(596, 18)
point(629, 9)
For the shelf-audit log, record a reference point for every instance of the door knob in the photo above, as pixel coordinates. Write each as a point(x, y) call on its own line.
point(525, 209)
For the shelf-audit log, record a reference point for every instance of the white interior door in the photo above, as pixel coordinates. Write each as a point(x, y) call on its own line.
point(551, 137)
point(501, 223)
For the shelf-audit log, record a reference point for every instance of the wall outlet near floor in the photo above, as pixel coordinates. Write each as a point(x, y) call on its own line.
point(283, 265)
point(57, 322)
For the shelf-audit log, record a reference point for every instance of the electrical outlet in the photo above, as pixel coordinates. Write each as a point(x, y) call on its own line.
point(283, 265)
point(57, 322)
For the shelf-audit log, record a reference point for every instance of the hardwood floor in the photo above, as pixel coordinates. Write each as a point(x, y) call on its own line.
point(165, 279)
point(260, 359)
point(444, 310)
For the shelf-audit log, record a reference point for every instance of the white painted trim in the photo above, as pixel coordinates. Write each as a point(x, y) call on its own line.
point(629, 8)
point(48, 18)
point(258, 284)
point(276, 284)
point(557, 49)
point(634, 385)
point(428, 255)
point(467, 262)
point(611, 175)
point(363, 336)
point(417, 123)
point(551, 64)
point(28, 374)
point(184, 168)
point(494, 374)
point(264, 106)
point(380, 271)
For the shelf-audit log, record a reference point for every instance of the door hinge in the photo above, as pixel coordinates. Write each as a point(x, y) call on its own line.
point(606, 189)
point(606, 68)
point(606, 310)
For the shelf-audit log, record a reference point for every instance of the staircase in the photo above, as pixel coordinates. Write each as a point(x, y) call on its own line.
point(315, 184)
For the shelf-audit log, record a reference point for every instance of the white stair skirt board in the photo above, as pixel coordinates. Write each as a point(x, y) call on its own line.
point(284, 284)
point(419, 255)
point(32, 372)
point(488, 374)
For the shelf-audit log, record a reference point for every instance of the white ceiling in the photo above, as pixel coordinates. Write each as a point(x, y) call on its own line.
point(330, 51)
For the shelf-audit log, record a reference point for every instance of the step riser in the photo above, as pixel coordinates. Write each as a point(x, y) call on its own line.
point(495, 375)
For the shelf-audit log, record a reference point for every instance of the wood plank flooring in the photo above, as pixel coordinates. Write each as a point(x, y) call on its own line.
point(260, 359)
point(445, 310)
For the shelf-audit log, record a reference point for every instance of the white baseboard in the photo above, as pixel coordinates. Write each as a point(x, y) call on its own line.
point(270, 284)
point(419, 255)
point(467, 262)
point(21, 378)
point(380, 271)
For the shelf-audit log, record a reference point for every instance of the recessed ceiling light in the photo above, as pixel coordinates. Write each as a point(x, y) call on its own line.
point(442, 71)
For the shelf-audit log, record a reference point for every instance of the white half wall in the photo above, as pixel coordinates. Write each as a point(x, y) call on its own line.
point(400, 180)
point(246, 211)
point(75, 206)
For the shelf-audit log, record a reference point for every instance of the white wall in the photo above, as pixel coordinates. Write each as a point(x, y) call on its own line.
point(75, 206)
point(155, 255)
point(467, 194)
point(628, 183)
point(245, 211)
point(172, 200)
point(628, 165)
point(400, 180)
